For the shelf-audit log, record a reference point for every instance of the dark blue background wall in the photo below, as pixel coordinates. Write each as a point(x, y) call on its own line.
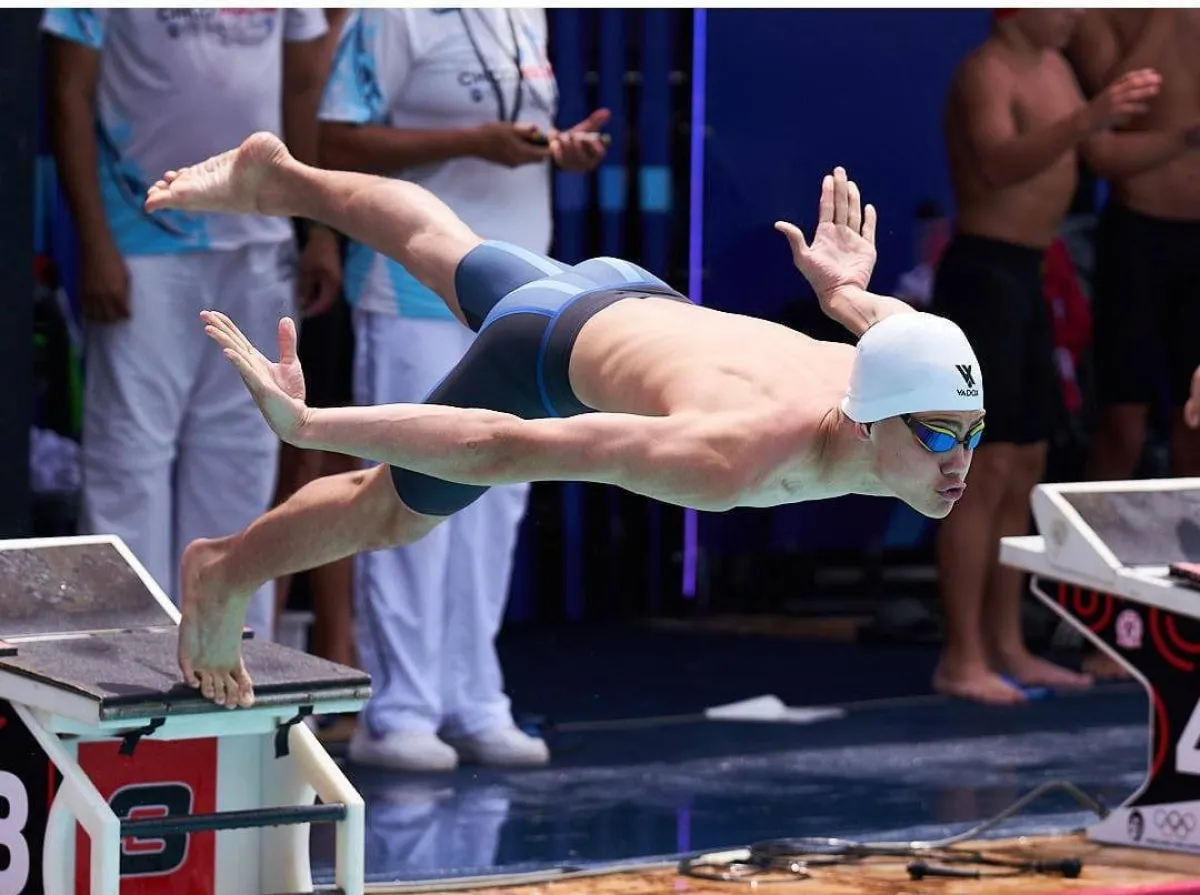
point(791, 93)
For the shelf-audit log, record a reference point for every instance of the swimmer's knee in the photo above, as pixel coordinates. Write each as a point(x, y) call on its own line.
point(393, 522)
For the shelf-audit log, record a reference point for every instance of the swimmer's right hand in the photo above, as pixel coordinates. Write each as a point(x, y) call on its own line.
point(1126, 97)
point(103, 283)
point(511, 145)
point(277, 388)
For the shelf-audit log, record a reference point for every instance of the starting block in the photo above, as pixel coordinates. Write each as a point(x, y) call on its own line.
point(1103, 562)
point(118, 779)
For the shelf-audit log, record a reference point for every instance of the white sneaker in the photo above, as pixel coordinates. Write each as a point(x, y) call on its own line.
point(505, 746)
point(402, 751)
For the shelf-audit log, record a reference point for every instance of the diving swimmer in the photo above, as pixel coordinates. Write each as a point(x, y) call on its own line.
point(596, 372)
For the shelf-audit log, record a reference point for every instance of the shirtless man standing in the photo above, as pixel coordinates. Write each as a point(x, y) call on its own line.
point(1015, 120)
point(598, 372)
point(1147, 282)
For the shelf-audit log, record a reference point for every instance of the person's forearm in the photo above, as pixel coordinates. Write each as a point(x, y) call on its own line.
point(300, 124)
point(1119, 155)
point(73, 137)
point(469, 446)
point(1027, 155)
point(858, 310)
point(378, 149)
point(303, 84)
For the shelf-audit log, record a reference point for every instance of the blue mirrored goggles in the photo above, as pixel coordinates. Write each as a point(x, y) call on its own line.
point(940, 441)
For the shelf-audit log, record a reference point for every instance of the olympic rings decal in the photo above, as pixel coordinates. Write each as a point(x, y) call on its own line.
point(1170, 822)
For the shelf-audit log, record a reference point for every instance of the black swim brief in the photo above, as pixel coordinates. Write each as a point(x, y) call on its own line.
point(1146, 311)
point(528, 310)
point(993, 291)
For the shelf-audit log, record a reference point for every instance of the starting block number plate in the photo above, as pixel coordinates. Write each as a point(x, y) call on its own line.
point(161, 778)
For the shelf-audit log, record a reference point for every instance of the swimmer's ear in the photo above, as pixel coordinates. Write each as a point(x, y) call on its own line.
point(863, 431)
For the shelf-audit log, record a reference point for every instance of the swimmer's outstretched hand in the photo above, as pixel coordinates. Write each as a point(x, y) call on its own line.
point(278, 388)
point(842, 252)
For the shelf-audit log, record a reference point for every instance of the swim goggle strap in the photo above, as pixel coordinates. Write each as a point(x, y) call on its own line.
point(939, 440)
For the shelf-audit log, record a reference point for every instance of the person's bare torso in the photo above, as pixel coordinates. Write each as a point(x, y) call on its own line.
point(1171, 190)
point(1043, 91)
point(656, 357)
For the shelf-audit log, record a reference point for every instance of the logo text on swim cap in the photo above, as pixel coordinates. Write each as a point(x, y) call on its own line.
point(964, 370)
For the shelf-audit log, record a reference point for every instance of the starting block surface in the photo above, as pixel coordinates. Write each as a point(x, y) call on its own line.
point(136, 674)
point(118, 778)
point(1102, 560)
point(51, 589)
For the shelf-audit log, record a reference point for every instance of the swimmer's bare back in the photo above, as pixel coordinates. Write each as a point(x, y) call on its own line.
point(659, 356)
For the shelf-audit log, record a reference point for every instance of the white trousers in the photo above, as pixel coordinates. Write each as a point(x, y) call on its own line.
point(174, 447)
point(427, 613)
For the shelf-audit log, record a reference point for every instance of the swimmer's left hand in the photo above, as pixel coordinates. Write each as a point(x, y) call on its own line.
point(319, 278)
point(580, 147)
point(842, 253)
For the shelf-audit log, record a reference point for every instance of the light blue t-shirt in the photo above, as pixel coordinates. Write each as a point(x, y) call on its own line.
point(175, 87)
point(427, 69)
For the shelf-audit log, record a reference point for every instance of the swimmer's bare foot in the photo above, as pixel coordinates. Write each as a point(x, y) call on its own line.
point(1030, 671)
point(1104, 667)
point(977, 683)
point(210, 630)
point(244, 180)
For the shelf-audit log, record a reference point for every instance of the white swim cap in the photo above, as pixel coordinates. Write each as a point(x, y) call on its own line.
point(912, 363)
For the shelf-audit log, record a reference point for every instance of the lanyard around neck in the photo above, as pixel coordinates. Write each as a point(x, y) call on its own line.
point(518, 100)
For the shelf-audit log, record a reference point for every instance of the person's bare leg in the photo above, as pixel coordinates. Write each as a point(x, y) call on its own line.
point(296, 469)
point(1185, 447)
point(966, 545)
point(326, 520)
point(332, 590)
point(1002, 600)
point(1118, 442)
point(1116, 449)
point(401, 220)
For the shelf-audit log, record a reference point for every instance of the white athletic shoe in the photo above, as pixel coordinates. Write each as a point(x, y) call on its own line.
point(506, 746)
point(402, 751)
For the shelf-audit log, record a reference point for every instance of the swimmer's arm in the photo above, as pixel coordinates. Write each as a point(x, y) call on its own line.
point(1003, 156)
point(694, 461)
point(858, 310)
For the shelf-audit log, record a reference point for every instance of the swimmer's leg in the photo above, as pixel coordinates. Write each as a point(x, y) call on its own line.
point(326, 520)
point(399, 219)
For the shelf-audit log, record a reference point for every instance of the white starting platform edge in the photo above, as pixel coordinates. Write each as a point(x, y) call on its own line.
point(1102, 561)
point(121, 780)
